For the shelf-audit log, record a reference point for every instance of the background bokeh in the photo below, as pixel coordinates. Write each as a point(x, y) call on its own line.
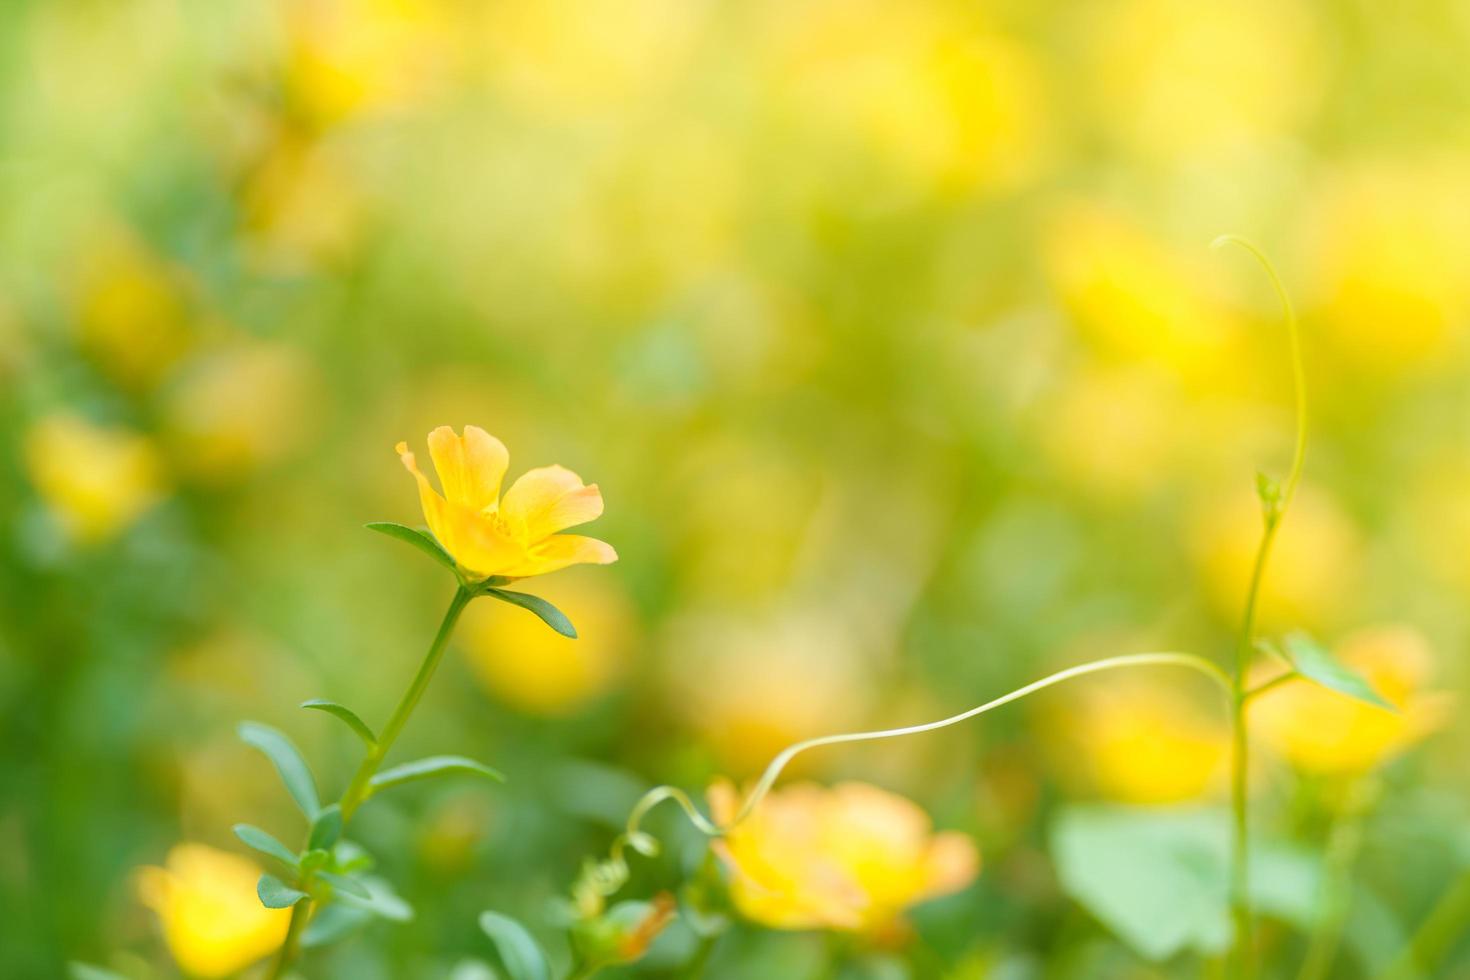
point(889, 329)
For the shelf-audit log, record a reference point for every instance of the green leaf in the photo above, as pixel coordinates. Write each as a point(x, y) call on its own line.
point(346, 885)
point(382, 901)
point(1316, 663)
point(265, 844)
point(437, 765)
point(358, 726)
point(86, 971)
point(335, 921)
point(276, 894)
point(288, 762)
point(1159, 879)
point(325, 829)
point(543, 610)
point(419, 538)
point(522, 957)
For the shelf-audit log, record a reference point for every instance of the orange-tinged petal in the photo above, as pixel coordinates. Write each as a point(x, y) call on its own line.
point(470, 467)
point(436, 509)
point(953, 862)
point(559, 551)
point(549, 499)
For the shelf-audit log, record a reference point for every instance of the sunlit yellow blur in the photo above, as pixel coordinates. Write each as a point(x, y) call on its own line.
point(1321, 731)
point(1140, 740)
point(850, 857)
point(131, 308)
point(212, 921)
point(95, 480)
point(540, 671)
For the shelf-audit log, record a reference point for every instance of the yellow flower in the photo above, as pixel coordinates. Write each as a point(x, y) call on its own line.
point(95, 480)
point(538, 670)
point(511, 538)
point(1140, 741)
point(851, 857)
point(212, 920)
point(1324, 732)
point(131, 309)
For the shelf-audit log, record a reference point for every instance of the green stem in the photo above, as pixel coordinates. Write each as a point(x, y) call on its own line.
point(1445, 926)
point(358, 789)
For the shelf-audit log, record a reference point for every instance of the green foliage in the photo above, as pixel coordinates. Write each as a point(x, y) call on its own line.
point(430, 768)
point(348, 716)
point(543, 610)
point(521, 955)
point(325, 829)
point(1316, 663)
point(276, 894)
point(419, 538)
point(288, 762)
point(1159, 878)
point(266, 844)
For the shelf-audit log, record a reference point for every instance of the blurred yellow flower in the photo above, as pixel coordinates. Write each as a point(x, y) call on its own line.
point(851, 857)
point(1140, 740)
point(747, 690)
point(514, 537)
point(1187, 79)
point(541, 671)
point(130, 308)
point(1387, 254)
point(1130, 295)
point(347, 57)
point(212, 921)
point(1313, 568)
point(301, 204)
point(243, 406)
point(1114, 431)
point(95, 480)
point(958, 107)
point(1321, 731)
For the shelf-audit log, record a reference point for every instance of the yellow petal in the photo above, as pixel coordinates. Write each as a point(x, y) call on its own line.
point(470, 467)
point(952, 863)
point(436, 509)
point(549, 499)
point(559, 551)
point(481, 545)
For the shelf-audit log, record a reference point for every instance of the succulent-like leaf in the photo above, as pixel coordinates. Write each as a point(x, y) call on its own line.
point(539, 607)
point(325, 829)
point(521, 955)
point(288, 762)
point(276, 894)
point(1316, 663)
point(419, 538)
point(346, 885)
point(263, 842)
point(348, 716)
point(437, 765)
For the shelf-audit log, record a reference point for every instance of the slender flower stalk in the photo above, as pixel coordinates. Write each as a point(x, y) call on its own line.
point(1274, 502)
point(357, 790)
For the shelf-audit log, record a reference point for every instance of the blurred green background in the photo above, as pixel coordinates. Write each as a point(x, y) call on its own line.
point(889, 329)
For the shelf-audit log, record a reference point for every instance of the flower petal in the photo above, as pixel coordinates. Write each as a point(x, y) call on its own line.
point(482, 546)
point(559, 551)
point(436, 508)
point(470, 467)
point(549, 499)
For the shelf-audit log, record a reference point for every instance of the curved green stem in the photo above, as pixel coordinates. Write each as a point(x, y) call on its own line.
point(1273, 508)
point(359, 788)
point(768, 778)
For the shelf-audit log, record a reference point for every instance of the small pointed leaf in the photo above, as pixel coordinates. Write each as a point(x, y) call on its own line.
point(346, 714)
point(437, 765)
point(325, 829)
point(334, 922)
point(382, 901)
point(276, 894)
point(543, 610)
point(288, 762)
point(266, 844)
point(346, 885)
point(1316, 663)
point(522, 957)
point(420, 539)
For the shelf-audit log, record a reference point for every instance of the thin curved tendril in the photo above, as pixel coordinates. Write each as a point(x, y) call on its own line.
point(702, 823)
point(1298, 373)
